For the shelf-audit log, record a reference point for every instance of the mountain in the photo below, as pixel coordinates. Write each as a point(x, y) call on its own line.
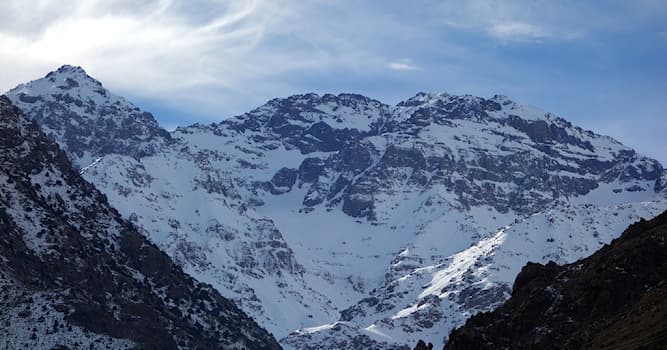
point(87, 120)
point(74, 274)
point(614, 299)
point(329, 218)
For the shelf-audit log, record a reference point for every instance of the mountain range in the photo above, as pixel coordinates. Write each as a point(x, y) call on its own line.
point(338, 221)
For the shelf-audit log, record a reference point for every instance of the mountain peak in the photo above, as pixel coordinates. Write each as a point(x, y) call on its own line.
point(433, 98)
point(66, 68)
point(89, 120)
point(66, 80)
point(290, 114)
point(445, 100)
point(314, 99)
point(72, 77)
point(472, 108)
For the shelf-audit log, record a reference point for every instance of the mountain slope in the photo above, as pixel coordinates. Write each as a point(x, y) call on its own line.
point(74, 274)
point(614, 299)
point(429, 298)
point(345, 218)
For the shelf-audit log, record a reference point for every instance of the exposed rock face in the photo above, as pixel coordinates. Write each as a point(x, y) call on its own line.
point(398, 221)
point(468, 145)
point(421, 345)
point(74, 274)
point(614, 299)
point(86, 119)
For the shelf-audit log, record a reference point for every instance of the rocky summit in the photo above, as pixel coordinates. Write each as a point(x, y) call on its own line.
point(614, 299)
point(74, 274)
point(87, 119)
point(330, 218)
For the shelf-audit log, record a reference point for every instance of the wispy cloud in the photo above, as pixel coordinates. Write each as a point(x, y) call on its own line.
point(212, 54)
point(517, 31)
point(154, 47)
point(503, 21)
point(159, 48)
point(403, 65)
point(536, 21)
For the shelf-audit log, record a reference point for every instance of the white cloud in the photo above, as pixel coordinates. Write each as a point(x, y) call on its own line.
point(517, 31)
point(541, 20)
point(403, 65)
point(517, 20)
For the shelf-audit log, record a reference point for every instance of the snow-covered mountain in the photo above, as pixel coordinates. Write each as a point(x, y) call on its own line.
point(356, 222)
point(74, 274)
point(87, 120)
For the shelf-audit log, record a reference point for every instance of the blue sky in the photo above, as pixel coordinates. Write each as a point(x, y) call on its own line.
point(600, 64)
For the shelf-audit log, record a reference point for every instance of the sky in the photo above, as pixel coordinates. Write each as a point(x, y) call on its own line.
point(600, 64)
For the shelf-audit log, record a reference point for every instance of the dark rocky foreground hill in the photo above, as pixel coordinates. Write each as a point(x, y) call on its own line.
point(614, 299)
point(73, 274)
